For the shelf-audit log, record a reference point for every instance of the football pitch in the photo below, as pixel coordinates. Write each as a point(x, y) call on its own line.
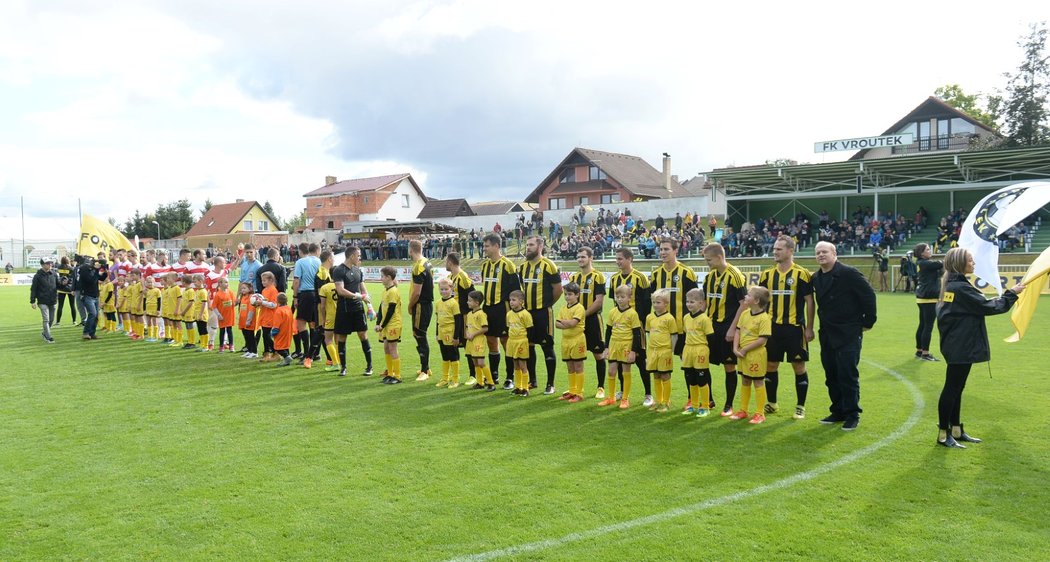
point(115, 449)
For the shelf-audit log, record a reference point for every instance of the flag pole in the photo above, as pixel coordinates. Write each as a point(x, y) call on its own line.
point(22, 208)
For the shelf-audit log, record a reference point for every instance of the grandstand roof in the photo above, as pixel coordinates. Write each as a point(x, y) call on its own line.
point(959, 170)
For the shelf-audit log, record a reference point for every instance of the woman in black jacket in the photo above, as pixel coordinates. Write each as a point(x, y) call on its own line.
point(964, 339)
point(927, 292)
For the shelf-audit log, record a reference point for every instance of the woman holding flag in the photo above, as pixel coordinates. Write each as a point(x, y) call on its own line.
point(964, 339)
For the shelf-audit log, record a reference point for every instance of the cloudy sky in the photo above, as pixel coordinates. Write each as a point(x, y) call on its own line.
point(125, 105)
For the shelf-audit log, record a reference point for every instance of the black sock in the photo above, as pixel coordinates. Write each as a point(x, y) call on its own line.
point(327, 354)
point(647, 380)
point(366, 347)
point(298, 338)
point(423, 346)
point(531, 365)
point(471, 367)
point(551, 360)
point(802, 387)
point(730, 389)
point(599, 369)
point(772, 382)
point(316, 339)
point(494, 366)
point(341, 346)
point(509, 364)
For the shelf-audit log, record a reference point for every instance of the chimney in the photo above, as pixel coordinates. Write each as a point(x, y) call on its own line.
point(667, 172)
point(329, 180)
point(239, 201)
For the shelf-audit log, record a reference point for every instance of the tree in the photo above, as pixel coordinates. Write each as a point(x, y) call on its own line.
point(294, 222)
point(953, 95)
point(207, 205)
point(269, 210)
point(1024, 108)
point(175, 218)
point(781, 162)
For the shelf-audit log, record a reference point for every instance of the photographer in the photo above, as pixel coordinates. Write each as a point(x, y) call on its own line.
point(87, 284)
point(881, 255)
point(65, 290)
point(908, 273)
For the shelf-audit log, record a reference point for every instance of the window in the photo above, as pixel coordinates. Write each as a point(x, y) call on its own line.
point(366, 199)
point(924, 135)
point(613, 198)
point(962, 127)
point(331, 224)
point(247, 225)
point(585, 200)
point(404, 201)
point(597, 173)
point(263, 225)
point(568, 176)
point(555, 203)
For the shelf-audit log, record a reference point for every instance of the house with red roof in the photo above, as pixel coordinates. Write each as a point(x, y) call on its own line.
point(384, 198)
point(225, 225)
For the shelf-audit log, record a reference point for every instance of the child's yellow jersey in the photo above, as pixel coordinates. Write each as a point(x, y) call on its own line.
point(475, 321)
point(153, 301)
point(135, 298)
point(330, 300)
point(518, 324)
point(697, 327)
point(107, 297)
point(122, 299)
point(170, 301)
point(446, 311)
point(202, 304)
point(660, 328)
point(753, 326)
point(568, 313)
point(189, 304)
point(391, 305)
point(623, 323)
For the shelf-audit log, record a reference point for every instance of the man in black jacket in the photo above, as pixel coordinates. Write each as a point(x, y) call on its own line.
point(87, 284)
point(44, 295)
point(280, 275)
point(846, 308)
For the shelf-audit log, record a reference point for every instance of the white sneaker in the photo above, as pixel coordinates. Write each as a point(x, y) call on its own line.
point(619, 395)
point(648, 400)
point(246, 354)
point(600, 395)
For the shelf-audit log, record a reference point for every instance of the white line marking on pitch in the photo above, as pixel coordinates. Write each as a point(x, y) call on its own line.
point(785, 482)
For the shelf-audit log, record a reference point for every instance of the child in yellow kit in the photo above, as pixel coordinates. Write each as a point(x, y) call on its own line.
point(449, 332)
point(623, 344)
point(170, 310)
point(659, 357)
point(695, 356)
point(477, 325)
point(573, 343)
point(135, 304)
point(203, 310)
point(749, 344)
point(152, 310)
point(388, 324)
point(107, 297)
point(123, 304)
point(518, 323)
point(188, 311)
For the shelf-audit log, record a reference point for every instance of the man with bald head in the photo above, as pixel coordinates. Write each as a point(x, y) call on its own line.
point(846, 308)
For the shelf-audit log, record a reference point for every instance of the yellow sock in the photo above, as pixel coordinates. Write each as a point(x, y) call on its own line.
point(626, 385)
point(178, 334)
point(667, 392)
point(705, 395)
point(191, 337)
point(204, 341)
point(389, 365)
point(579, 383)
point(445, 366)
point(141, 329)
point(453, 368)
point(760, 399)
point(694, 396)
point(334, 352)
point(610, 382)
point(658, 383)
point(522, 378)
point(395, 364)
point(745, 397)
point(488, 375)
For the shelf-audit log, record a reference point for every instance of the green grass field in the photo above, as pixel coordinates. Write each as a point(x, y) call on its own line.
point(126, 450)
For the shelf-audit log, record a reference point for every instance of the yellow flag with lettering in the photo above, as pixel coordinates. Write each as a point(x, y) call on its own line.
point(99, 236)
point(1024, 309)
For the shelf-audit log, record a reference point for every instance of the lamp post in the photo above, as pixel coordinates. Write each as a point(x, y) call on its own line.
point(158, 230)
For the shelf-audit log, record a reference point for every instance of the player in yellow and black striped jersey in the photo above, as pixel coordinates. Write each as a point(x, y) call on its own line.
point(592, 297)
point(421, 305)
point(792, 309)
point(640, 301)
point(462, 286)
point(725, 287)
point(541, 284)
point(499, 278)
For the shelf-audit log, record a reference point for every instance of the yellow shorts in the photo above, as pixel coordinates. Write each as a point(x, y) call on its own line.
point(518, 348)
point(659, 361)
point(618, 351)
point(753, 364)
point(329, 323)
point(391, 333)
point(574, 349)
point(446, 338)
point(477, 347)
point(696, 357)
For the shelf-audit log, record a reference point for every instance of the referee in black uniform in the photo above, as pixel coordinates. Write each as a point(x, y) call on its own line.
point(541, 283)
point(499, 278)
point(350, 312)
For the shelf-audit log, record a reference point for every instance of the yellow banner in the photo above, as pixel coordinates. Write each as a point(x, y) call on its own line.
point(1027, 301)
point(99, 236)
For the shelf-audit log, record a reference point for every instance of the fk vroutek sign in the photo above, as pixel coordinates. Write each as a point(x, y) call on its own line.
point(864, 142)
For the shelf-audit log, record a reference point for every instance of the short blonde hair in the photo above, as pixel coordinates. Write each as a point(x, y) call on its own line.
point(662, 295)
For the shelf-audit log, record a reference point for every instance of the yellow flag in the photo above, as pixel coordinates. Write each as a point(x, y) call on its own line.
point(99, 236)
point(1024, 309)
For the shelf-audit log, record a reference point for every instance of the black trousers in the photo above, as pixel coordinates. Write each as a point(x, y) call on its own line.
point(950, 404)
point(843, 377)
point(927, 316)
point(62, 297)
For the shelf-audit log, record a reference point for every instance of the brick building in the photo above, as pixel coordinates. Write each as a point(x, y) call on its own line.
point(384, 198)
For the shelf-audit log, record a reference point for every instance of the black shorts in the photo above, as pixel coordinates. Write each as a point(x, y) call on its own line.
point(721, 350)
point(350, 320)
point(788, 341)
point(421, 318)
point(449, 352)
point(306, 306)
point(592, 330)
point(542, 330)
point(497, 316)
